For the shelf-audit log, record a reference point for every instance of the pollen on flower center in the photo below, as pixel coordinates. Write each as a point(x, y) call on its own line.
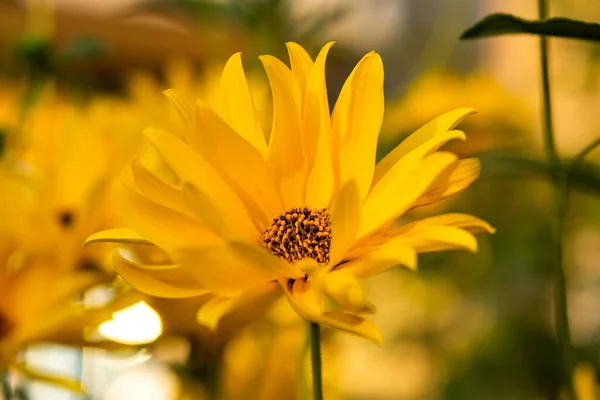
point(300, 233)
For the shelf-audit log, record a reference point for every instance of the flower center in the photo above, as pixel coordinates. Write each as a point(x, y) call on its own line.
point(66, 219)
point(5, 326)
point(300, 233)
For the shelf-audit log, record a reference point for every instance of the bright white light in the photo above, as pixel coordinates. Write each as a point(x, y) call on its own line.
point(149, 382)
point(136, 324)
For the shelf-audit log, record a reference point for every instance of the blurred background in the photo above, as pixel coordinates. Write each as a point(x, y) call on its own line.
point(80, 79)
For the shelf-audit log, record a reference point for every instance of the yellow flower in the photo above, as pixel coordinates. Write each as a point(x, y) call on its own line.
point(308, 211)
point(436, 91)
point(148, 101)
point(57, 178)
point(39, 305)
point(60, 176)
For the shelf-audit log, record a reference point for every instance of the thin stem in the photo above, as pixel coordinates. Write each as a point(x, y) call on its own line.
point(561, 318)
point(6, 392)
point(315, 356)
point(548, 130)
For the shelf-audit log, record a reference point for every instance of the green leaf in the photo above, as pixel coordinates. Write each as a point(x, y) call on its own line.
point(582, 176)
point(504, 24)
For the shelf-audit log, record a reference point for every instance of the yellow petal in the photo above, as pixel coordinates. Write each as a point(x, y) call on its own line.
point(382, 257)
point(238, 107)
point(169, 281)
point(456, 220)
point(429, 131)
point(124, 235)
point(286, 156)
point(192, 168)
point(243, 168)
point(417, 154)
point(220, 270)
point(160, 225)
point(437, 238)
point(260, 257)
point(204, 208)
point(36, 287)
point(213, 310)
point(316, 135)
point(305, 299)
point(301, 64)
point(342, 286)
point(399, 189)
point(357, 119)
point(442, 232)
point(156, 189)
point(183, 107)
point(345, 221)
point(454, 180)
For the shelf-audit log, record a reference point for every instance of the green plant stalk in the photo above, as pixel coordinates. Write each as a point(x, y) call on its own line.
point(561, 318)
point(315, 357)
point(6, 392)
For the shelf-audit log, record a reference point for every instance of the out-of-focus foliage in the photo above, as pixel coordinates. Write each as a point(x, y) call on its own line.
point(254, 24)
point(502, 120)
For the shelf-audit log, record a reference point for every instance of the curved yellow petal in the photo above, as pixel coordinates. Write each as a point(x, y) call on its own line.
point(357, 119)
point(156, 189)
point(244, 169)
point(211, 312)
point(169, 281)
point(437, 238)
point(399, 189)
point(456, 220)
point(426, 133)
point(343, 287)
point(345, 221)
point(301, 64)
point(192, 168)
point(286, 155)
point(261, 258)
point(160, 225)
point(306, 299)
point(204, 208)
point(237, 104)
point(454, 180)
point(442, 232)
point(316, 135)
point(220, 270)
point(379, 258)
point(122, 235)
point(183, 107)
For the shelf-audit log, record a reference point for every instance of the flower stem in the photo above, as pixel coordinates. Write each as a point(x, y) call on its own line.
point(561, 318)
point(315, 356)
point(6, 392)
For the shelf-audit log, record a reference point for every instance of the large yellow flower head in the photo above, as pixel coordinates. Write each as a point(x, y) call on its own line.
point(309, 211)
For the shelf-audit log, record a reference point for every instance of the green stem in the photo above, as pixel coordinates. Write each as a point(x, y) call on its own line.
point(315, 356)
point(6, 392)
point(561, 318)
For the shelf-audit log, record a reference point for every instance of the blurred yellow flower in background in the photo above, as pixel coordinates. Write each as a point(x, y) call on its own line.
point(308, 211)
point(268, 359)
point(57, 170)
point(148, 101)
point(501, 115)
point(41, 304)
